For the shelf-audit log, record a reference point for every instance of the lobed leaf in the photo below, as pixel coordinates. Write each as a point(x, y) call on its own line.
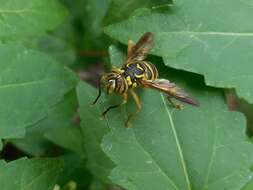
point(217, 45)
point(119, 9)
point(74, 173)
point(30, 174)
point(93, 129)
point(58, 128)
point(24, 18)
point(69, 137)
point(30, 83)
point(62, 50)
point(195, 148)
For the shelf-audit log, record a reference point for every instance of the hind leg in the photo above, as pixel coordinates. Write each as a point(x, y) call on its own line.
point(174, 104)
point(138, 104)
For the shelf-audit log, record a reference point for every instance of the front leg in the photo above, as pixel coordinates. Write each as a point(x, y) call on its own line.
point(124, 96)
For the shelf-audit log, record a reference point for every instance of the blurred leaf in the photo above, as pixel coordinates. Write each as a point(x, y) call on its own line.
point(249, 185)
point(101, 12)
point(30, 174)
point(30, 83)
point(234, 103)
point(69, 137)
point(61, 126)
point(98, 185)
point(96, 10)
point(72, 29)
point(58, 48)
point(193, 148)
point(58, 44)
point(23, 18)
point(33, 143)
point(247, 109)
point(117, 57)
point(74, 171)
point(92, 38)
point(210, 45)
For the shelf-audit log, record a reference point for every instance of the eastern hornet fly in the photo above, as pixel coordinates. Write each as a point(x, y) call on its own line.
point(136, 71)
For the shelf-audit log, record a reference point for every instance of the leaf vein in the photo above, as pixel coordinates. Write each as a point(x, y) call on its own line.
point(178, 145)
point(211, 33)
point(24, 83)
point(155, 162)
point(211, 159)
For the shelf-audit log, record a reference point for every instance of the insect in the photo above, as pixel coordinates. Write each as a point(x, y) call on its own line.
point(137, 72)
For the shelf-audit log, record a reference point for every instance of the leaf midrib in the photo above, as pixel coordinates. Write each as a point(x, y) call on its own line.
point(177, 143)
point(156, 164)
point(25, 83)
point(2, 11)
point(179, 150)
point(208, 33)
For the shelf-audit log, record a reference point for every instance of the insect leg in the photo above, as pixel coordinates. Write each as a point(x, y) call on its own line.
point(138, 104)
point(109, 108)
point(117, 105)
point(174, 104)
point(99, 94)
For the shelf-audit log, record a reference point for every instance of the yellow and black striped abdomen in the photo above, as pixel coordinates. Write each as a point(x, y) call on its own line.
point(150, 71)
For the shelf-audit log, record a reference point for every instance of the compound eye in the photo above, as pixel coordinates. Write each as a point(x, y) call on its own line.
point(112, 81)
point(111, 86)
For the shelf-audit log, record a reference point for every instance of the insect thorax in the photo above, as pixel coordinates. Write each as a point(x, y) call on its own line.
point(139, 70)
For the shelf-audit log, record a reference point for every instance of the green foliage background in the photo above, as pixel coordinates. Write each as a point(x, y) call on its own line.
point(52, 54)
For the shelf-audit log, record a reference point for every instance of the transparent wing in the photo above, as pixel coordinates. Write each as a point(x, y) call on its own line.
point(138, 51)
point(170, 89)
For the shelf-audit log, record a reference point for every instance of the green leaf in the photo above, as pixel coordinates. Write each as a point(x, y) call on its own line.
point(74, 171)
point(120, 10)
point(38, 138)
point(62, 50)
point(96, 10)
point(98, 185)
point(93, 129)
point(23, 18)
point(217, 45)
point(188, 149)
point(194, 148)
point(31, 83)
point(92, 39)
point(69, 137)
point(30, 174)
point(249, 186)
point(33, 143)
point(116, 56)
point(60, 128)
